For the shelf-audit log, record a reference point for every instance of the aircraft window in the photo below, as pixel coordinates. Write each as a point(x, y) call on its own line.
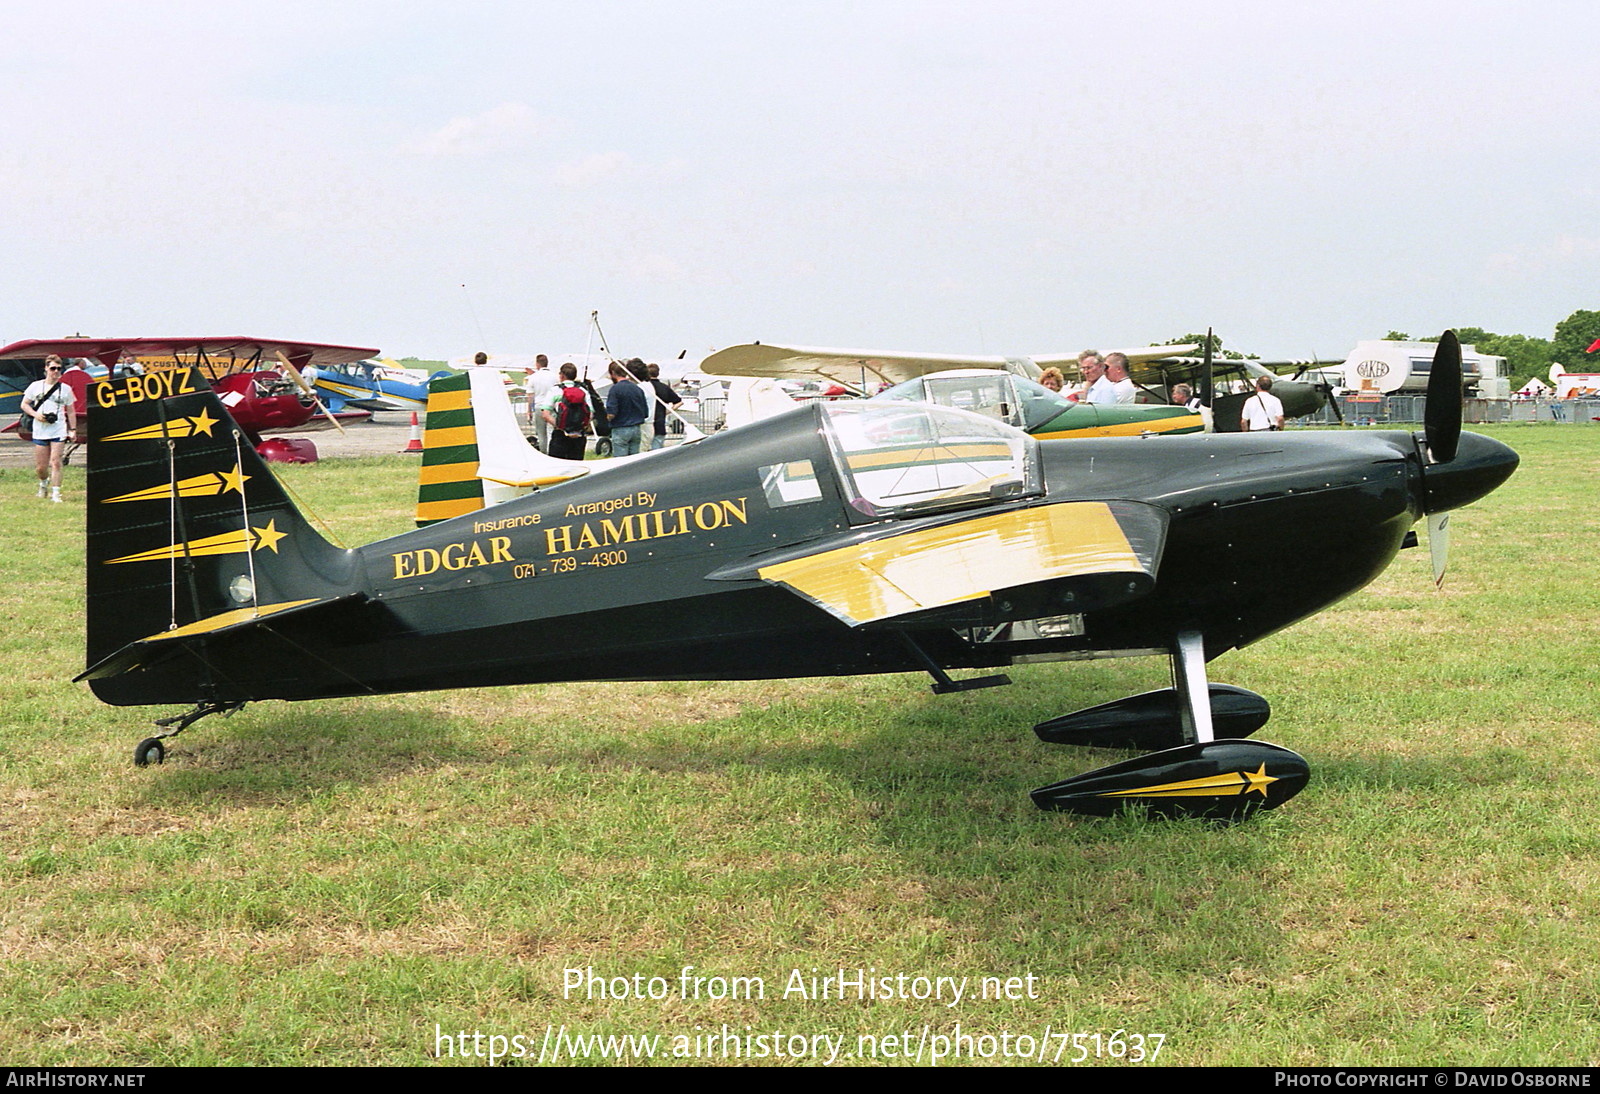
point(899, 458)
point(792, 483)
point(987, 393)
point(1038, 403)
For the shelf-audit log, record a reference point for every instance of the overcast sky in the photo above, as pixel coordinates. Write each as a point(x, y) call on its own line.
point(947, 177)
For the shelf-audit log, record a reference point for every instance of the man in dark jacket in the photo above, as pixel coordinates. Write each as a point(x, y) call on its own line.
point(627, 409)
point(664, 395)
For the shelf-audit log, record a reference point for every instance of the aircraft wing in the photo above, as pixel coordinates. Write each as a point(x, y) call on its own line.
point(845, 366)
point(109, 350)
point(1101, 553)
point(1170, 369)
point(849, 366)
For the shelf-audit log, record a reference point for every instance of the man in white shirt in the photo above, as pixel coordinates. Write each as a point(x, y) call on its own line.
point(539, 385)
point(1122, 388)
point(1095, 385)
point(1262, 411)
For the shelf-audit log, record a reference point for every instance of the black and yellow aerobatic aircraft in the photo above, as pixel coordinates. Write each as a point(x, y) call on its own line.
point(843, 538)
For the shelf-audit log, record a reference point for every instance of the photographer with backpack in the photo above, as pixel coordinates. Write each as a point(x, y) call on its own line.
point(566, 408)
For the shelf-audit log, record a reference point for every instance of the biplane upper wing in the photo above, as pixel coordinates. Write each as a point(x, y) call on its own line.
point(1091, 554)
point(110, 350)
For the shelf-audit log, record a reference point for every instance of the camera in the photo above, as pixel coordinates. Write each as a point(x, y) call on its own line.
point(48, 419)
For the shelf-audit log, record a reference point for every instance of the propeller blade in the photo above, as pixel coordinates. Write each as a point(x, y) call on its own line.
point(1439, 545)
point(1333, 402)
point(1441, 420)
point(1207, 385)
point(300, 381)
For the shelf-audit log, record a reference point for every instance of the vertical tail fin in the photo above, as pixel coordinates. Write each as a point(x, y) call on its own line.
point(473, 453)
point(448, 483)
point(185, 522)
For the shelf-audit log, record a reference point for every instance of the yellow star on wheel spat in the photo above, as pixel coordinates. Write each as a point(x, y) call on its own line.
point(269, 536)
point(1258, 780)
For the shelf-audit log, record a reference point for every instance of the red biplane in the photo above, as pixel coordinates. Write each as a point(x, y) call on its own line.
point(258, 379)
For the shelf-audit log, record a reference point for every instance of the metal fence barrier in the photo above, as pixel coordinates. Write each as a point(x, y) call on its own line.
point(709, 414)
point(1408, 410)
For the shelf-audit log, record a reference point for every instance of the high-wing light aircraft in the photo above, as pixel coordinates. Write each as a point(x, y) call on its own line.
point(258, 380)
point(1154, 368)
point(841, 538)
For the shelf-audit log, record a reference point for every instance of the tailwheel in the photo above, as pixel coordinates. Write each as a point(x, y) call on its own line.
point(1223, 780)
point(152, 751)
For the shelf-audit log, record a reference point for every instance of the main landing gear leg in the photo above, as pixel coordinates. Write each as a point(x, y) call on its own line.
point(152, 751)
point(1193, 774)
point(1189, 681)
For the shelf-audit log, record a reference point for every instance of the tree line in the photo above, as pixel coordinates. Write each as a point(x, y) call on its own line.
point(1526, 356)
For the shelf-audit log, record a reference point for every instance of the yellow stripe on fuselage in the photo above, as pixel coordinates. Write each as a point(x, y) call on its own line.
point(1182, 423)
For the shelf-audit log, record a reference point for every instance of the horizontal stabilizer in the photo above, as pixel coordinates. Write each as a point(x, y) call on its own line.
point(157, 647)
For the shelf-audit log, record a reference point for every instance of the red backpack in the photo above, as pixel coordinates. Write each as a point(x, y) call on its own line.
point(572, 412)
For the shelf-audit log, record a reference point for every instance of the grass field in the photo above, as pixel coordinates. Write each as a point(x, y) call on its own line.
point(357, 882)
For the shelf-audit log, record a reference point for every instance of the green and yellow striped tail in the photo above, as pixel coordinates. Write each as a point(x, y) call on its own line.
point(448, 484)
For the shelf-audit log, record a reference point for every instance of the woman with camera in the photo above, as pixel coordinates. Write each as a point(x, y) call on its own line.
point(49, 403)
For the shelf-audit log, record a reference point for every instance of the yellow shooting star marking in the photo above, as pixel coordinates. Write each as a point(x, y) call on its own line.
point(1258, 780)
point(1222, 784)
point(200, 486)
point(202, 423)
point(269, 536)
point(241, 542)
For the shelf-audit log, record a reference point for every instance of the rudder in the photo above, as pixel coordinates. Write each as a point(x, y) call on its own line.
point(186, 523)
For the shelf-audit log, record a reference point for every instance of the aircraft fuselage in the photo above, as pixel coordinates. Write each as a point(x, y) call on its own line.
point(649, 573)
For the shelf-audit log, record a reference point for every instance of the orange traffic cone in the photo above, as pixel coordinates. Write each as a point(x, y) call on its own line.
point(415, 443)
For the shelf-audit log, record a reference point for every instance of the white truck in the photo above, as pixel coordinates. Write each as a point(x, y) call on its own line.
point(1378, 367)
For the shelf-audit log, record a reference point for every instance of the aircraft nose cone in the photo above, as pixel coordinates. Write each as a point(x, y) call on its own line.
point(1481, 464)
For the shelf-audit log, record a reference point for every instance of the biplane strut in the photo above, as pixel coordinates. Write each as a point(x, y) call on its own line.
point(1188, 771)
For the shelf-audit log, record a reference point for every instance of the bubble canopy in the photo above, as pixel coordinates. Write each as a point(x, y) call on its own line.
point(897, 458)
